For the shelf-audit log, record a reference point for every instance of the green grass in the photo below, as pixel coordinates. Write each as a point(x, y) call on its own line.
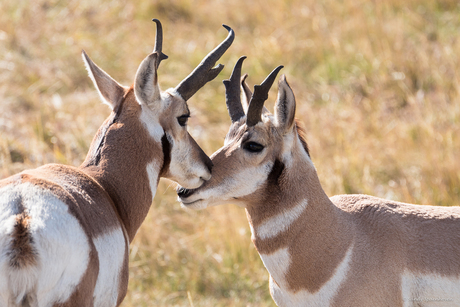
point(376, 82)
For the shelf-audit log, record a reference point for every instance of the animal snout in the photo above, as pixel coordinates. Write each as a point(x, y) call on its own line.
point(184, 192)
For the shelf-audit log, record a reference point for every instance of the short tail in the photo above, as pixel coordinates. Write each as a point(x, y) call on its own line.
point(22, 264)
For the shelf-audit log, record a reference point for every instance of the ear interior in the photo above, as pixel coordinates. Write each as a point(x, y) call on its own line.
point(285, 106)
point(111, 91)
point(146, 86)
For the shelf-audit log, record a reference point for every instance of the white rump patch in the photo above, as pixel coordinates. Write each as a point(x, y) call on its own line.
point(278, 264)
point(281, 222)
point(429, 290)
point(111, 253)
point(58, 238)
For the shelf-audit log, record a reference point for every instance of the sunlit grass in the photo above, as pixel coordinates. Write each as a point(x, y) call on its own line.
point(377, 86)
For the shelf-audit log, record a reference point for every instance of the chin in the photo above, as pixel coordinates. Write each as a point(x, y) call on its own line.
point(205, 203)
point(190, 184)
point(194, 205)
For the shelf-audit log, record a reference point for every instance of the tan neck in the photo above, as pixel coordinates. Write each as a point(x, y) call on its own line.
point(296, 215)
point(298, 199)
point(126, 161)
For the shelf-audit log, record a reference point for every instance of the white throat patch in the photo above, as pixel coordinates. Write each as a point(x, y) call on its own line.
point(278, 264)
point(281, 222)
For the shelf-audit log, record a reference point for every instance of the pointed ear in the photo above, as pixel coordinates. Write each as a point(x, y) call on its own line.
point(285, 106)
point(111, 91)
point(146, 85)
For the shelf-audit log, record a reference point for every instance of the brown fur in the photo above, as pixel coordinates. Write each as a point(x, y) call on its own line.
point(125, 183)
point(386, 239)
point(114, 187)
point(324, 247)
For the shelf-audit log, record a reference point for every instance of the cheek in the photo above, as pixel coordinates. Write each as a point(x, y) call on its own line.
point(180, 157)
point(247, 181)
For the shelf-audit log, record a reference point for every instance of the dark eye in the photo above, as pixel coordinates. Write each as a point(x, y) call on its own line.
point(182, 120)
point(253, 147)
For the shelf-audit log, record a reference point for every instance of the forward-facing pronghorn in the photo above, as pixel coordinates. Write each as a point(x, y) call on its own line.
point(348, 250)
point(65, 231)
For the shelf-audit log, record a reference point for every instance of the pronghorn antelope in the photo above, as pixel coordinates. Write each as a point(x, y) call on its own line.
point(65, 231)
point(347, 250)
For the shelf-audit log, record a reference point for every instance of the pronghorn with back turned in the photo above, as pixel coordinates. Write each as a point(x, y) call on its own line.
point(65, 231)
point(347, 250)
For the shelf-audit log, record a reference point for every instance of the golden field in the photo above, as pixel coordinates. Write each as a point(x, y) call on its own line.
point(377, 86)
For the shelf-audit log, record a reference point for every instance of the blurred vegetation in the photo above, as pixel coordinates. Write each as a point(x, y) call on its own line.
point(377, 86)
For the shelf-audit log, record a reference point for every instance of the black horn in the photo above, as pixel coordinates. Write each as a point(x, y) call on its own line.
point(233, 92)
point(259, 97)
point(205, 71)
point(159, 43)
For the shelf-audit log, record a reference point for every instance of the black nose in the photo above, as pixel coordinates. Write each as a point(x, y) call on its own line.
point(183, 192)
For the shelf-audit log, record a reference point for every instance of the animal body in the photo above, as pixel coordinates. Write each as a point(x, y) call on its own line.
point(347, 250)
point(65, 231)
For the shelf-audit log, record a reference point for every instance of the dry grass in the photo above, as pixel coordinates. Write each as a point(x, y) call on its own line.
point(377, 86)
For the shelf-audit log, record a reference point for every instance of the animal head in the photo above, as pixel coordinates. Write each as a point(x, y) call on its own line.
point(164, 114)
point(260, 148)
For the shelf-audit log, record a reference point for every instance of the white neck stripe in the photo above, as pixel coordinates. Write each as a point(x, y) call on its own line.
point(281, 222)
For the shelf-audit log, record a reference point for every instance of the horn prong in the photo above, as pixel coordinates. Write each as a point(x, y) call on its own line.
point(233, 91)
point(205, 72)
point(259, 97)
point(159, 42)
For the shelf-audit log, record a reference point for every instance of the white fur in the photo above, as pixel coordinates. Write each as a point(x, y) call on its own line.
point(184, 168)
point(278, 264)
point(152, 172)
point(281, 222)
point(59, 240)
point(241, 184)
point(287, 154)
point(150, 121)
point(249, 180)
point(171, 92)
point(111, 253)
point(429, 290)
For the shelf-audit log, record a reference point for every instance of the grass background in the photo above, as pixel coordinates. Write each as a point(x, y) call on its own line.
point(377, 88)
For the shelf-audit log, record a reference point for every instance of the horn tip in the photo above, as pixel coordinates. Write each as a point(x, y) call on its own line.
point(231, 33)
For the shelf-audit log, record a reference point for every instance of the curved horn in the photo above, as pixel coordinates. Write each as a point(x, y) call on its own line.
point(159, 42)
point(205, 72)
point(232, 92)
point(258, 98)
